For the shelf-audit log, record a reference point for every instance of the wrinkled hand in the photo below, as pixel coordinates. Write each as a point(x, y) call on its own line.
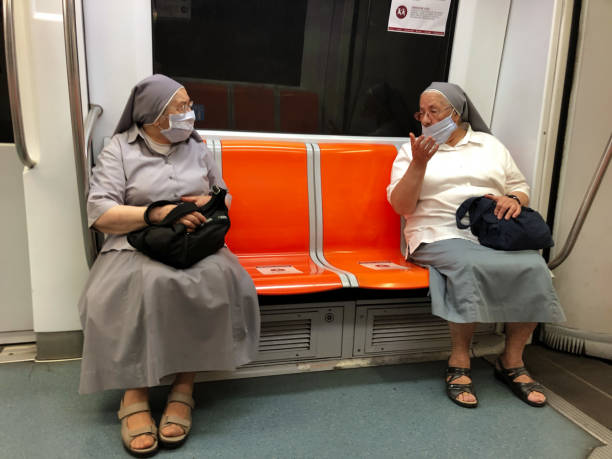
point(191, 221)
point(199, 200)
point(194, 219)
point(423, 148)
point(157, 214)
point(506, 207)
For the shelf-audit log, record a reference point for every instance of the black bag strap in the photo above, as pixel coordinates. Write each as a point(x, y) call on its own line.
point(463, 209)
point(181, 209)
point(218, 200)
point(476, 211)
point(184, 208)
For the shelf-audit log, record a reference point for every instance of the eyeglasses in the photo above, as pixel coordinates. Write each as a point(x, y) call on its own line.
point(433, 113)
point(184, 107)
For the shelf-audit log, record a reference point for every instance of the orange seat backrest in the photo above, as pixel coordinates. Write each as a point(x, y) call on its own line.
point(269, 187)
point(356, 213)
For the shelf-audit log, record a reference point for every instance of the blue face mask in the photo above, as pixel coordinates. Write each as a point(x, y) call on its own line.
point(440, 131)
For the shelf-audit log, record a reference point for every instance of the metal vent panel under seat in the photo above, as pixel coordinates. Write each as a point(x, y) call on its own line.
point(396, 328)
point(312, 333)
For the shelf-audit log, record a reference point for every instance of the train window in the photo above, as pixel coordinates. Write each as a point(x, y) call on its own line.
point(6, 126)
point(300, 66)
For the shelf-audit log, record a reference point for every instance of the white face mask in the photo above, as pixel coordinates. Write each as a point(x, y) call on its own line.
point(440, 131)
point(181, 126)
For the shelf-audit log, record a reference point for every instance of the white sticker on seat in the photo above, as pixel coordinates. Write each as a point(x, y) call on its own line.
point(380, 265)
point(278, 269)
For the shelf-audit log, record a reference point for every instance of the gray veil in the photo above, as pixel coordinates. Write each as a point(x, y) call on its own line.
point(147, 101)
point(461, 103)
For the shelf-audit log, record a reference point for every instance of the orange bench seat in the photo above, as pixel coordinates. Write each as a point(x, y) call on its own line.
point(359, 225)
point(270, 229)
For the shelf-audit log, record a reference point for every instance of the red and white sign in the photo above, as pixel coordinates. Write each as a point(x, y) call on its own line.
point(278, 269)
point(424, 17)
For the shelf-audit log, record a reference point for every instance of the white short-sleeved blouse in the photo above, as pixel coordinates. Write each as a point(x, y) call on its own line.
point(479, 164)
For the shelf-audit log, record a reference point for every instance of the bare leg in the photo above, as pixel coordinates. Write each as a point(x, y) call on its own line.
point(183, 384)
point(138, 420)
point(517, 334)
point(461, 338)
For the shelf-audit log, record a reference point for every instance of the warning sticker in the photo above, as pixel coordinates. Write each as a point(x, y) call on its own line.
point(424, 17)
point(278, 269)
point(381, 265)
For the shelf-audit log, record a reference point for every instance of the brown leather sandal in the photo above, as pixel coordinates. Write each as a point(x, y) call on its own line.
point(173, 442)
point(128, 435)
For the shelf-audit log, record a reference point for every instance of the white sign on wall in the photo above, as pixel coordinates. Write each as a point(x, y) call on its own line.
point(424, 17)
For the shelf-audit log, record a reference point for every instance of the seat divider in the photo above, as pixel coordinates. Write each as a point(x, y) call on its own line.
point(218, 155)
point(315, 203)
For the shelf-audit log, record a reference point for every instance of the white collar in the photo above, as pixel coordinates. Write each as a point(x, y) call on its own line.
point(161, 148)
point(469, 137)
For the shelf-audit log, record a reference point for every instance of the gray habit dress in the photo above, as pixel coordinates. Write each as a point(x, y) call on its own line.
point(143, 320)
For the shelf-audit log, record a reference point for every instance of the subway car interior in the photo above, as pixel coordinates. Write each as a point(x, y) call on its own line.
point(304, 106)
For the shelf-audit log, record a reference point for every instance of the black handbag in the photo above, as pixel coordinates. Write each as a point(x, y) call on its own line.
point(527, 231)
point(170, 243)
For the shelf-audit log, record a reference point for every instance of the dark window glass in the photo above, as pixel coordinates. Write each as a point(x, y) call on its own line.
point(6, 126)
point(299, 66)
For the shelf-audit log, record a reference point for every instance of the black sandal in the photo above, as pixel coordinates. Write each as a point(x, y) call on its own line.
point(453, 390)
point(520, 389)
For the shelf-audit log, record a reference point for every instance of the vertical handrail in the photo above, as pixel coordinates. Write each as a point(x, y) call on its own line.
point(12, 77)
point(584, 207)
point(80, 144)
point(95, 111)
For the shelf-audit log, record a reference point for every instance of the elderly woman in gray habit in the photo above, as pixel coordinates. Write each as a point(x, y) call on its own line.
point(457, 158)
point(144, 320)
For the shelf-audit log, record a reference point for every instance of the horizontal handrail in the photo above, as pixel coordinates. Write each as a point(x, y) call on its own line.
point(584, 208)
point(12, 77)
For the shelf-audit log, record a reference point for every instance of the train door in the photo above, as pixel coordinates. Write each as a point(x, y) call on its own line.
point(582, 281)
point(48, 192)
point(16, 322)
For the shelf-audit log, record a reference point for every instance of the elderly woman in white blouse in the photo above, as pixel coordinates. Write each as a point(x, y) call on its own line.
point(457, 158)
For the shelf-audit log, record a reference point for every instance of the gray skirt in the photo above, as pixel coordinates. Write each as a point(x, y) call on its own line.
point(472, 283)
point(143, 320)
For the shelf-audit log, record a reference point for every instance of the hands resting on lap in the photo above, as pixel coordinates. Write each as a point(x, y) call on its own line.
point(191, 221)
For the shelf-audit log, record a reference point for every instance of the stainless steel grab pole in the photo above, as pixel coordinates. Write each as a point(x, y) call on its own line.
point(12, 77)
point(80, 142)
point(94, 113)
point(584, 208)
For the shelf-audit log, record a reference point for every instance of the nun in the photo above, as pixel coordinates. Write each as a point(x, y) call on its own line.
point(456, 158)
point(143, 320)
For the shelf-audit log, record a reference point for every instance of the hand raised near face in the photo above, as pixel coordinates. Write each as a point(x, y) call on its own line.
point(423, 148)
